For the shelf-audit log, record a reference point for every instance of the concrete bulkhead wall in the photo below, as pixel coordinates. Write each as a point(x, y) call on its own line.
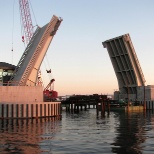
point(143, 93)
point(26, 102)
point(30, 110)
point(21, 94)
point(149, 92)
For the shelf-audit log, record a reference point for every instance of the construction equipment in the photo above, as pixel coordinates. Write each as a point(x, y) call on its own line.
point(26, 20)
point(49, 93)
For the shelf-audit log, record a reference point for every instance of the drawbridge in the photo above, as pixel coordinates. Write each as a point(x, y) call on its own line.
point(125, 63)
point(26, 72)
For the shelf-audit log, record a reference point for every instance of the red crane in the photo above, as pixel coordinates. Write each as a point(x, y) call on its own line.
point(26, 20)
point(49, 93)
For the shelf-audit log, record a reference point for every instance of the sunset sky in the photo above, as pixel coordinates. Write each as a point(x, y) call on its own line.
point(79, 63)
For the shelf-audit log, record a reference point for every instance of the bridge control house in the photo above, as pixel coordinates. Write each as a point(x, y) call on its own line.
point(6, 71)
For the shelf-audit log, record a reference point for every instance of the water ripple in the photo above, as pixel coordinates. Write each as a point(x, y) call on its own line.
point(83, 133)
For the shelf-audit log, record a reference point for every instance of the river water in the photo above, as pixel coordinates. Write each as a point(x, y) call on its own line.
point(82, 133)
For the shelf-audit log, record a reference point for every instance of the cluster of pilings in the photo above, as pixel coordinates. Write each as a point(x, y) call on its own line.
point(102, 106)
point(76, 107)
point(78, 103)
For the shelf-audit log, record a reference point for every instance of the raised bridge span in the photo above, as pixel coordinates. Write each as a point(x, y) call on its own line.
point(125, 63)
point(26, 72)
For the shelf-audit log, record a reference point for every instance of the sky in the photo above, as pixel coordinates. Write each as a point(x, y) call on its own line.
point(80, 64)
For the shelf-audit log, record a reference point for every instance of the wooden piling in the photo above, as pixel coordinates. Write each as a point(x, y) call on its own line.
point(77, 108)
point(108, 106)
point(102, 108)
point(81, 107)
point(85, 107)
point(97, 109)
point(72, 107)
point(144, 107)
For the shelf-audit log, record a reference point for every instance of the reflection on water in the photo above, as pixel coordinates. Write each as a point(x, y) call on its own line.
point(23, 136)
point(118, 132)
point(130, 133)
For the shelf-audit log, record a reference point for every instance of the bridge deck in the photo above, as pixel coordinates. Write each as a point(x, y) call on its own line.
point(125, 63)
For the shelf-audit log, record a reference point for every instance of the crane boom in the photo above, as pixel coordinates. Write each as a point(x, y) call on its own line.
point(49, 85)
point(26, 19)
